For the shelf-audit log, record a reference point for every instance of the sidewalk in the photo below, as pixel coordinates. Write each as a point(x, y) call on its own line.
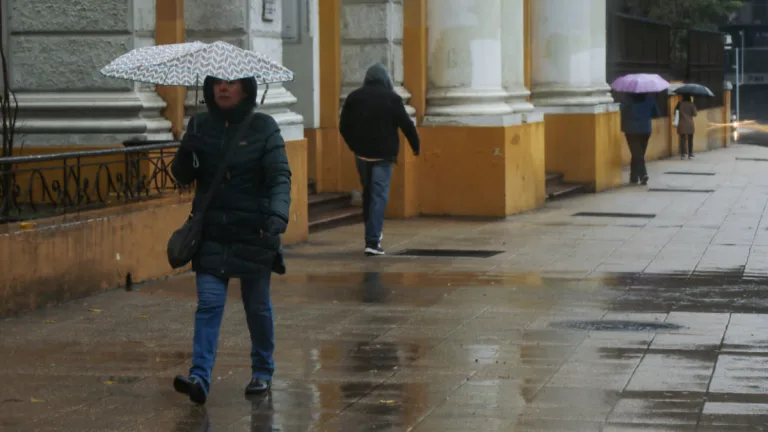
point(581, 324)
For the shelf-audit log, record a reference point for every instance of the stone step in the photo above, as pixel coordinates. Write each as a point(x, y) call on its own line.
point(326, 202)
point(335, 219)
point(563, 190)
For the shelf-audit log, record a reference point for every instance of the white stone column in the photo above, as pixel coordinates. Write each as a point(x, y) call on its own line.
point(568, 49)
point(475, 64)
point(372, 32)
point(55, 52)
point(243, 24)
point(513, 55)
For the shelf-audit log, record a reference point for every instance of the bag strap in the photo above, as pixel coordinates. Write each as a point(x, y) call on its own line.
point(223, 164)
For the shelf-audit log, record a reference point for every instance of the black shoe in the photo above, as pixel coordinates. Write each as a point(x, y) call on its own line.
point(644, 180)
point(191, 386)
point(374, 249)
point(632, 180)
point(257, 386)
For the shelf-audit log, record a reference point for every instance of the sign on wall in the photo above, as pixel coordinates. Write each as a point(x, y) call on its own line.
point(269, 10)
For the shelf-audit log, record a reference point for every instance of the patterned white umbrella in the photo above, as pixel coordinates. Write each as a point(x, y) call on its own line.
point(187, 64)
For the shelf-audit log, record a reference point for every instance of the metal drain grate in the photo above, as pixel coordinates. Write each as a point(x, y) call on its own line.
point(611, 325)
point(752, 159)
point(690, 173)
point(448, 253)
point(680, 190)
point(616, 215)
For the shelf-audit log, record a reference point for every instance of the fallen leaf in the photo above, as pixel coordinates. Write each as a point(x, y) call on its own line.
point(49, 322)
point(95, 310)
point(33, 400)
point(143, 316)
point(109, 382)
point(149, 344)
point(388, 402)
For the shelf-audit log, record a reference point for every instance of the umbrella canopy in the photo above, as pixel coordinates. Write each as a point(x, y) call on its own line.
point(694, 90)
point(187, 64)
point(640, 83)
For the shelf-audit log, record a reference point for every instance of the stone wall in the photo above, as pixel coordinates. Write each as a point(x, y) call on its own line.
point(371, 32)
point(55, 51)
point(240, 22)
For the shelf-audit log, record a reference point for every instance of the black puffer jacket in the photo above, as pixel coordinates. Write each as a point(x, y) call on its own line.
point(257, 186)
point(372, 115)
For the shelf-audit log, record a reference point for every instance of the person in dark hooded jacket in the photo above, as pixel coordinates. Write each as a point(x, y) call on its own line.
point(369, 123)
point(242, 226)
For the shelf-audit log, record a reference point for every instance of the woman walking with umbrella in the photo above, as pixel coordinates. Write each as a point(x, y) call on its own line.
point(684, 114)
point(685, 111)
point(636, 118)
point(237, 160)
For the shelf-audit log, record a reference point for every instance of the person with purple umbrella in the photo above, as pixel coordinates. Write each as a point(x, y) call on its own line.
point(637, 116)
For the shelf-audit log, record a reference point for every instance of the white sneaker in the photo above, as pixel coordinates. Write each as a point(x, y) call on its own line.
point(374, 250)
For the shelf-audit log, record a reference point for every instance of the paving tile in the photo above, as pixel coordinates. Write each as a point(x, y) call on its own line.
point(426, 344)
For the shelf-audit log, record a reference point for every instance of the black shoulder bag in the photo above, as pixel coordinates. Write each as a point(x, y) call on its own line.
point(185, 241)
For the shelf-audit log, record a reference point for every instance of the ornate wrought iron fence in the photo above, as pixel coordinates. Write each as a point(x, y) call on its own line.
point(51, 184)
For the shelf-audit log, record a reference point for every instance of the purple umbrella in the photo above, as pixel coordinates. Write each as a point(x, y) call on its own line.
point(640, 83)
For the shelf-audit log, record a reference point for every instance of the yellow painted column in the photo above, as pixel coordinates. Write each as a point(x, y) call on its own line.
point(568, 84)
point(326, 154)
point(483, 147)
point(404, 190)
point(169, 29)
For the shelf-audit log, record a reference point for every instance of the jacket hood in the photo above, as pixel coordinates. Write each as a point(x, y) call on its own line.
point(378, 75)
point(239, 112)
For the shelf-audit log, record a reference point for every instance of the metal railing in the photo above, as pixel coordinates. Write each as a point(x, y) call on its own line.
point(45, 185)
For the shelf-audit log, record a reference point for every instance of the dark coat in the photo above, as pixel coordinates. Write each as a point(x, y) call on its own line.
point(257, 185)
point(372, 115)
point(686, 125)
point(638, 113)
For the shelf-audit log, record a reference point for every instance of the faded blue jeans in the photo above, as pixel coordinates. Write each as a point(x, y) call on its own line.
point(211, 297)
point(375, 177)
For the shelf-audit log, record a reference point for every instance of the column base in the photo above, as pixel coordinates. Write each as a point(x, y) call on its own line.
point(584, 144)
point(490, 171)
point(556, 97)
point(89, 119)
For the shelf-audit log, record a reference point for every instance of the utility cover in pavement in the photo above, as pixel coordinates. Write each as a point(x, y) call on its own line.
point(680, 190)
point(612, 325)
point(616, 215)
point(690, 173)
point(449, 253)
point(752, 159)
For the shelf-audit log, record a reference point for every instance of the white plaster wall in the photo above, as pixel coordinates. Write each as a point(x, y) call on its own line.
point(561, 42)
point(301, 54)
point(464, 43)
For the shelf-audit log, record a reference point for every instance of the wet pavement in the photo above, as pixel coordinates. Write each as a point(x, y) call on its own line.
point(581, 323)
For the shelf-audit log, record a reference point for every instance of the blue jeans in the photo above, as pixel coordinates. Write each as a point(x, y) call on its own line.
point(375, 177)
point(211, 296)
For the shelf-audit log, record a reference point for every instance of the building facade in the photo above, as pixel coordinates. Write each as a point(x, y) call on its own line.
point(502, 91)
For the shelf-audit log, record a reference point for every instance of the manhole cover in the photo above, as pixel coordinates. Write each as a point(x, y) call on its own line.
point(689, 173)
point(616, 215)
point(680, 190)
point(611, 325)
point(449, 253)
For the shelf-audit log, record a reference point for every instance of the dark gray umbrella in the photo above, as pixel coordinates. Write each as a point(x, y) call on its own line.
point(694, 90)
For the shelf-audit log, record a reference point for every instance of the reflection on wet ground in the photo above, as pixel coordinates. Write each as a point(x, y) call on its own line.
point(581, 325)
point(393, 351)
